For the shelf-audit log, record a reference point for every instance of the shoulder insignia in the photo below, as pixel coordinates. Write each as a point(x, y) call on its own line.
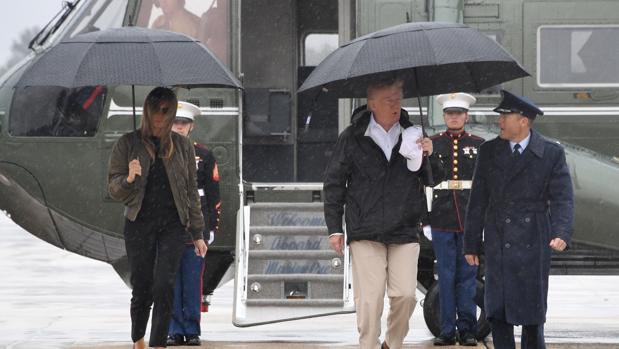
point(439, 135)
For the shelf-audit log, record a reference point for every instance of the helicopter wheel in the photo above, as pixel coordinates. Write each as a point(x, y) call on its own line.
point(431, 311)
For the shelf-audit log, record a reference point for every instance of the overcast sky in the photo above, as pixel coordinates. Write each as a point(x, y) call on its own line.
point(21, 14)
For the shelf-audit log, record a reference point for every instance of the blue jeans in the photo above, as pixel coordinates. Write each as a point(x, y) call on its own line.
point(187, 295)
point(456, 282)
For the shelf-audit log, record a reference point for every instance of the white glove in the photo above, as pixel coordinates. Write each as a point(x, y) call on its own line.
point(427, 232)
point(211, 237)
point(410, 149)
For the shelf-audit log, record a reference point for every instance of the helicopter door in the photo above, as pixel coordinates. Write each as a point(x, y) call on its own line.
point(282, 42)
point(317, 122)
point(285, 267)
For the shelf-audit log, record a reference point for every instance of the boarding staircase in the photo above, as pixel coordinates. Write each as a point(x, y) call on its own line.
point(288, 263)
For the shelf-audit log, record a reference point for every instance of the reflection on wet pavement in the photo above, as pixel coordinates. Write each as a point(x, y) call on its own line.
point(50, 298)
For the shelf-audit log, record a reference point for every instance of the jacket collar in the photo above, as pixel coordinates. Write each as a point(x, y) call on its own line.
point(454, 135)
point(361, 119)
point(504, 159)
point(536, 144)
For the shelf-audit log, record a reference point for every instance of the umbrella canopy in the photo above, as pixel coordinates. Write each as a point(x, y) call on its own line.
point(129, 56)
point(431, 58)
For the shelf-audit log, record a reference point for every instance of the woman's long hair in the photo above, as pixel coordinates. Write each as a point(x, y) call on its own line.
point(151, 106)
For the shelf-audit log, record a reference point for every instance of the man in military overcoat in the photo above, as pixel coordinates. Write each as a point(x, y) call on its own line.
point(520, 209)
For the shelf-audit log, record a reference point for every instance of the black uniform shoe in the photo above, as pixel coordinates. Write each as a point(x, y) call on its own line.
point(193, 341)
point(468, 339)
point(175, 340)
point(384, 346)
point(441, 341)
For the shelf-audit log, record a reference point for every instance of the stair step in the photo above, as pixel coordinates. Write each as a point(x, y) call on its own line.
point(294, 286)
point(295, 302)
point(297, 277)
point(288, 238)
point(279, 266)
point(288, 230)
point(292, 254)
point(287, 214)
point(287, 205)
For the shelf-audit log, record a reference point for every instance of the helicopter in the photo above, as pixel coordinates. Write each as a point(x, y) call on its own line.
point(272, 144)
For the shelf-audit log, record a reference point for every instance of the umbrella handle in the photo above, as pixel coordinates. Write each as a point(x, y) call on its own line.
point(308, 118)
point(427, 167)
point(133, 104)
point(427, 171)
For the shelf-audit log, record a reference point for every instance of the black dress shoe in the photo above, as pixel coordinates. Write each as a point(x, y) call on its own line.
point(175, 340)
point(468, 339)
point(441, 341)
point(193, 341)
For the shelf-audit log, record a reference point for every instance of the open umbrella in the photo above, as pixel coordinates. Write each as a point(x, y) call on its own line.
point(129, 56)
point(430, 57)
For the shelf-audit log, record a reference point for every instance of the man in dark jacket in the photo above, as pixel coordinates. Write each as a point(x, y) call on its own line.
point(522, 202)
point(458, 151)
point(384, 203)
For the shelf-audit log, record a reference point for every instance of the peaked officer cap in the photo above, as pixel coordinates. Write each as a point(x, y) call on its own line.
point(518, 104)
point(458, 102)
point(187, 111)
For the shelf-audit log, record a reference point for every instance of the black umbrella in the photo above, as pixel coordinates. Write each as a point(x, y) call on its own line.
point(129, 56)
point(430, 57)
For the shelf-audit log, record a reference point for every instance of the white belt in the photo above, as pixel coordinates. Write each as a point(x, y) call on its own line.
point(454, 185)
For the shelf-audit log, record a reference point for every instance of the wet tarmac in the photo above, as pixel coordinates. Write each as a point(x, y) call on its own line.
point(50, 298)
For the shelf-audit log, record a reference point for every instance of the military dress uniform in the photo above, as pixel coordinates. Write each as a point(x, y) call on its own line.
point(185, 325)
point(449, 199)
point(208, 187)
point(457, 283)
point(456, 278)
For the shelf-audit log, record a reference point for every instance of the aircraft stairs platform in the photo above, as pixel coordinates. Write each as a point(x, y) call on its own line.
point(289, 258)
point(287, 267)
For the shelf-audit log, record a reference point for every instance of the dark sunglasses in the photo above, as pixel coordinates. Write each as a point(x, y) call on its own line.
point(164, 110)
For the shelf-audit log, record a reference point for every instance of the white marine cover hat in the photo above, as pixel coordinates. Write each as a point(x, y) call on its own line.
point(460, 102)
point(187, 110)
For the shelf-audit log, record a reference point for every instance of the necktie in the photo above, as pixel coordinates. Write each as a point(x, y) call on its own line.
point(516, 153)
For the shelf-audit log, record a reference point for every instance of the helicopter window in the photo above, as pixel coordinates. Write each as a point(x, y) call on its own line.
point(51, 111)
point(101, 15)
point(318, 46)
point(578, 56)
point(204, 20)
point(216, 98)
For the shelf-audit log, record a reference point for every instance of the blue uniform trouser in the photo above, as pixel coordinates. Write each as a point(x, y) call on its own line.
point(187, 295)
point(456, 282)
point(503, 335)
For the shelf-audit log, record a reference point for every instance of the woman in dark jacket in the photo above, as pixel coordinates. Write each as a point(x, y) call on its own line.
point(152, 171)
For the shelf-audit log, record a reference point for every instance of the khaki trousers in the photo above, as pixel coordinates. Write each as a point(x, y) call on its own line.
point(374, 266)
